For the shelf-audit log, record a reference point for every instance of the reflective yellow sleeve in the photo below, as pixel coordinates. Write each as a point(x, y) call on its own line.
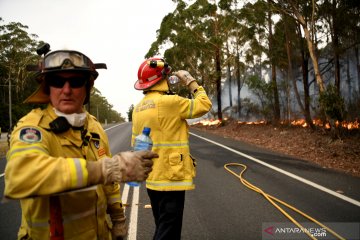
point(112, 193)
point(78, 172)
point(30, 171)
point(200, 105)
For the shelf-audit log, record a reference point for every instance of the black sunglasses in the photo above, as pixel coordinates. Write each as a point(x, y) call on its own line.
point(74, 82)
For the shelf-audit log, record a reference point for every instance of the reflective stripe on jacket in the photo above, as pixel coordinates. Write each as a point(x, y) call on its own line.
point(41, 163)
point(166, 116)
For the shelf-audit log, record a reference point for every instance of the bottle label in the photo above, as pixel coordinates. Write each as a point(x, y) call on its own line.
point(140, 145)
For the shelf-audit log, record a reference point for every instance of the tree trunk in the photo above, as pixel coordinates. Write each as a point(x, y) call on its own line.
point(275, 95)
point(218, 83)
point(229, 80)
point(305, 75)
point(337, 69)
point(228, 75)
point(273, 74)
point(348, 76)
point(311, 48)
point(335, 40)
point(314, 60)
point(356, 50)
point(290, 69)
point(238, 84)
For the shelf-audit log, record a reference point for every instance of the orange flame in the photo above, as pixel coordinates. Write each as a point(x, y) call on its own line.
point(298, 122)
point(209, 122)
point(318, 122)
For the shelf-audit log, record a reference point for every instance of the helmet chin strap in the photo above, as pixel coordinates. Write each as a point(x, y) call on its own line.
point(74, 119)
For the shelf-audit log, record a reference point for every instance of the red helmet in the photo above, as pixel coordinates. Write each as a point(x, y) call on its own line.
point(150, 72)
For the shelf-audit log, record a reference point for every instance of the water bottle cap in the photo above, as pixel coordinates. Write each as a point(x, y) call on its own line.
point(146, 131)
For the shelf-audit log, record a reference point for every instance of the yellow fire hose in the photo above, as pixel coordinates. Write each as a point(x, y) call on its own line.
point(272, 200)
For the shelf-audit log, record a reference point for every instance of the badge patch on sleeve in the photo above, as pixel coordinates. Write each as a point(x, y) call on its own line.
point(30, 135)
point(101, 152)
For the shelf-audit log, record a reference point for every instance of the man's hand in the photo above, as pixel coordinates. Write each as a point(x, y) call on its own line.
point(122, 167)
point(136, 165)
point(185, 77)
point(119, 229)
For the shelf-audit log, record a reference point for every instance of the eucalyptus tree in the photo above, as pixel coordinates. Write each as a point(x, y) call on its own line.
point(194, 37)
point(257, 18)
point(341, 21)
point(278, 49)
point(298, 9)
point(310, 15)
point(282, 54)
point(290, 58)
point(17, 49)
point(272, 58)
point(236, 39)
point(304, 13)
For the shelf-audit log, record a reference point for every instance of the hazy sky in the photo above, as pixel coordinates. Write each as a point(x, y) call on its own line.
point(118, 33)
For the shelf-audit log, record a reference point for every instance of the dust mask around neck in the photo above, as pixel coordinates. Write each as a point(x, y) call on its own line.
point(74, 119)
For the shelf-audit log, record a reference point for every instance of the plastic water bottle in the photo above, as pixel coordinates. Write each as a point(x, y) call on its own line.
point(173, 79)
point(142, 142)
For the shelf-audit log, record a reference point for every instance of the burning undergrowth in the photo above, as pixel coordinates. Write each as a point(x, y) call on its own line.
point(347, 128)
point(296, 140)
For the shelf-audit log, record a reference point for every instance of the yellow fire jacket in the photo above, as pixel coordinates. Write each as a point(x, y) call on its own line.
point(41, 163)
point(166, 116)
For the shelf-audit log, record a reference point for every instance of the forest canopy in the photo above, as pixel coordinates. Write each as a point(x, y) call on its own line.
point(267, 59)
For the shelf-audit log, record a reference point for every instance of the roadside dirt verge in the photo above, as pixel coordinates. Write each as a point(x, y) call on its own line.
point(315, 146)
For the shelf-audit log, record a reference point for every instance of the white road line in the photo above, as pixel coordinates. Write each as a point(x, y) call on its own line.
point(315, 185)
point(134, 214)
point(114, 126)
point(134, 209)
point(125, 194)
point(1, 175)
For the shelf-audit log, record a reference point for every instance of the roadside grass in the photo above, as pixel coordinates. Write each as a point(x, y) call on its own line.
point(3, 148)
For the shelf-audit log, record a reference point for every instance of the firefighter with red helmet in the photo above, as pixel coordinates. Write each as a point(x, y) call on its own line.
point(166, 115)
point(57, 153)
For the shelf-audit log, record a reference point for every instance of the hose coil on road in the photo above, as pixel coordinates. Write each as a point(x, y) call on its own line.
point(273, 201)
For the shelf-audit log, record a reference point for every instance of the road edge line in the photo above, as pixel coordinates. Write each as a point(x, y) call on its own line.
point(134, 214)
point(303, 180)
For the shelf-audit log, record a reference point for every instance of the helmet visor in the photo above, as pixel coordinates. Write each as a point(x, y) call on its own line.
point(67, 59)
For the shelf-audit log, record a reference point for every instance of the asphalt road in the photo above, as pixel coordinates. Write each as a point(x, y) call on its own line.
point(221, 207)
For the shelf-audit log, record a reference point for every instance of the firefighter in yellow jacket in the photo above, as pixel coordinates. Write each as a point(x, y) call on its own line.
point(58, 151)
point(166, 115)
